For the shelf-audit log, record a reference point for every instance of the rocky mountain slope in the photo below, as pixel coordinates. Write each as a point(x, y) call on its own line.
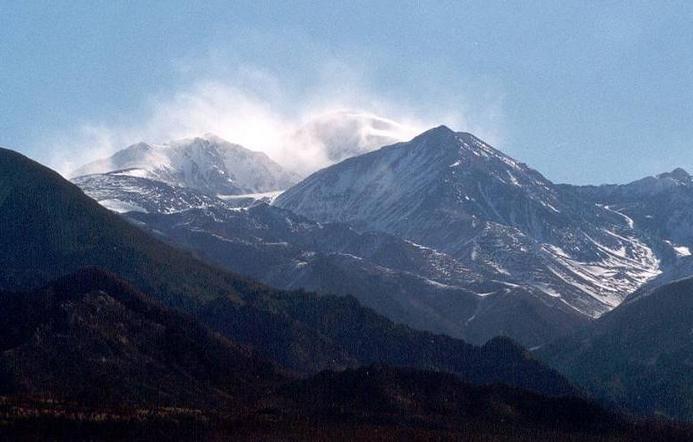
point(662, 208)
point(456, 194)
point(405, 281)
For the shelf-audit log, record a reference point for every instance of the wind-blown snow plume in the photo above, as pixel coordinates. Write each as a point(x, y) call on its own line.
point(325, 125)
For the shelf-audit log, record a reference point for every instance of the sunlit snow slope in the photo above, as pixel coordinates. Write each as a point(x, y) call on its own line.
point(454, 193)
point(208, 164)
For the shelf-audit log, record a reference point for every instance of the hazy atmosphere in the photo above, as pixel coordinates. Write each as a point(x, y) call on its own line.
point(573, 80)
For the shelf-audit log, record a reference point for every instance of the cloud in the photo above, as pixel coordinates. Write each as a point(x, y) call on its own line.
point(258, 110)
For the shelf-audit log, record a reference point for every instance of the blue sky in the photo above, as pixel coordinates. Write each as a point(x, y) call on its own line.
point(586, 92)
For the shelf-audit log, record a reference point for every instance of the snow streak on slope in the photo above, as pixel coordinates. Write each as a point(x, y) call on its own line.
point(456, 194)
point(443, 233)
point(661, 208)
point(411, 283)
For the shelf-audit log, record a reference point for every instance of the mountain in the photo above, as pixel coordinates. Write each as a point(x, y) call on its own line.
point(162, 374)
point(122, 192)
point(209, 164)
point(291, 252)
point(499, 218)
point(288, 251)
point(661, 207)
point(51, 229)
point(443, 233)
point(200, 370)
point(407, 282)
point(639, 356)
point(92, 338)
point(92, 329)
point(337, 333)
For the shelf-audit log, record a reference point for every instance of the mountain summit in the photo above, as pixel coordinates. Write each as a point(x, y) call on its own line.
point(209, 164)
point(677, 174)
point(456, 194)
point(441, 168)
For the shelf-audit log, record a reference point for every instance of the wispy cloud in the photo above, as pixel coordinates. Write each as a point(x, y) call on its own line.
point(258, 110)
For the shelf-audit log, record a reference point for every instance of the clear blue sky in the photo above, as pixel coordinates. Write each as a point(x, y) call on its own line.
point(586, 92)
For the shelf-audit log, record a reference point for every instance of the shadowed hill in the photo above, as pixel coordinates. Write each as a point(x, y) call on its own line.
point(427, 401)
point(92, 338)
point(365, 337)
point(370, 403)
point(640, 356)
point(50, 228)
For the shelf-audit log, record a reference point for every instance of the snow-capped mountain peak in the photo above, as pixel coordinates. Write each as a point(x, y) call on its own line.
point(455, 193)
point(207, 163)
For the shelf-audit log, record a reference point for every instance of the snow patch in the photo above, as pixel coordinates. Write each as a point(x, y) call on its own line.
point(119, 206)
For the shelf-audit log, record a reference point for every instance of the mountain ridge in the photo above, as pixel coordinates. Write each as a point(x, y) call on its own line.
point(207, 163)
point(51, 228)
point(454, 193)
point(504, 238)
